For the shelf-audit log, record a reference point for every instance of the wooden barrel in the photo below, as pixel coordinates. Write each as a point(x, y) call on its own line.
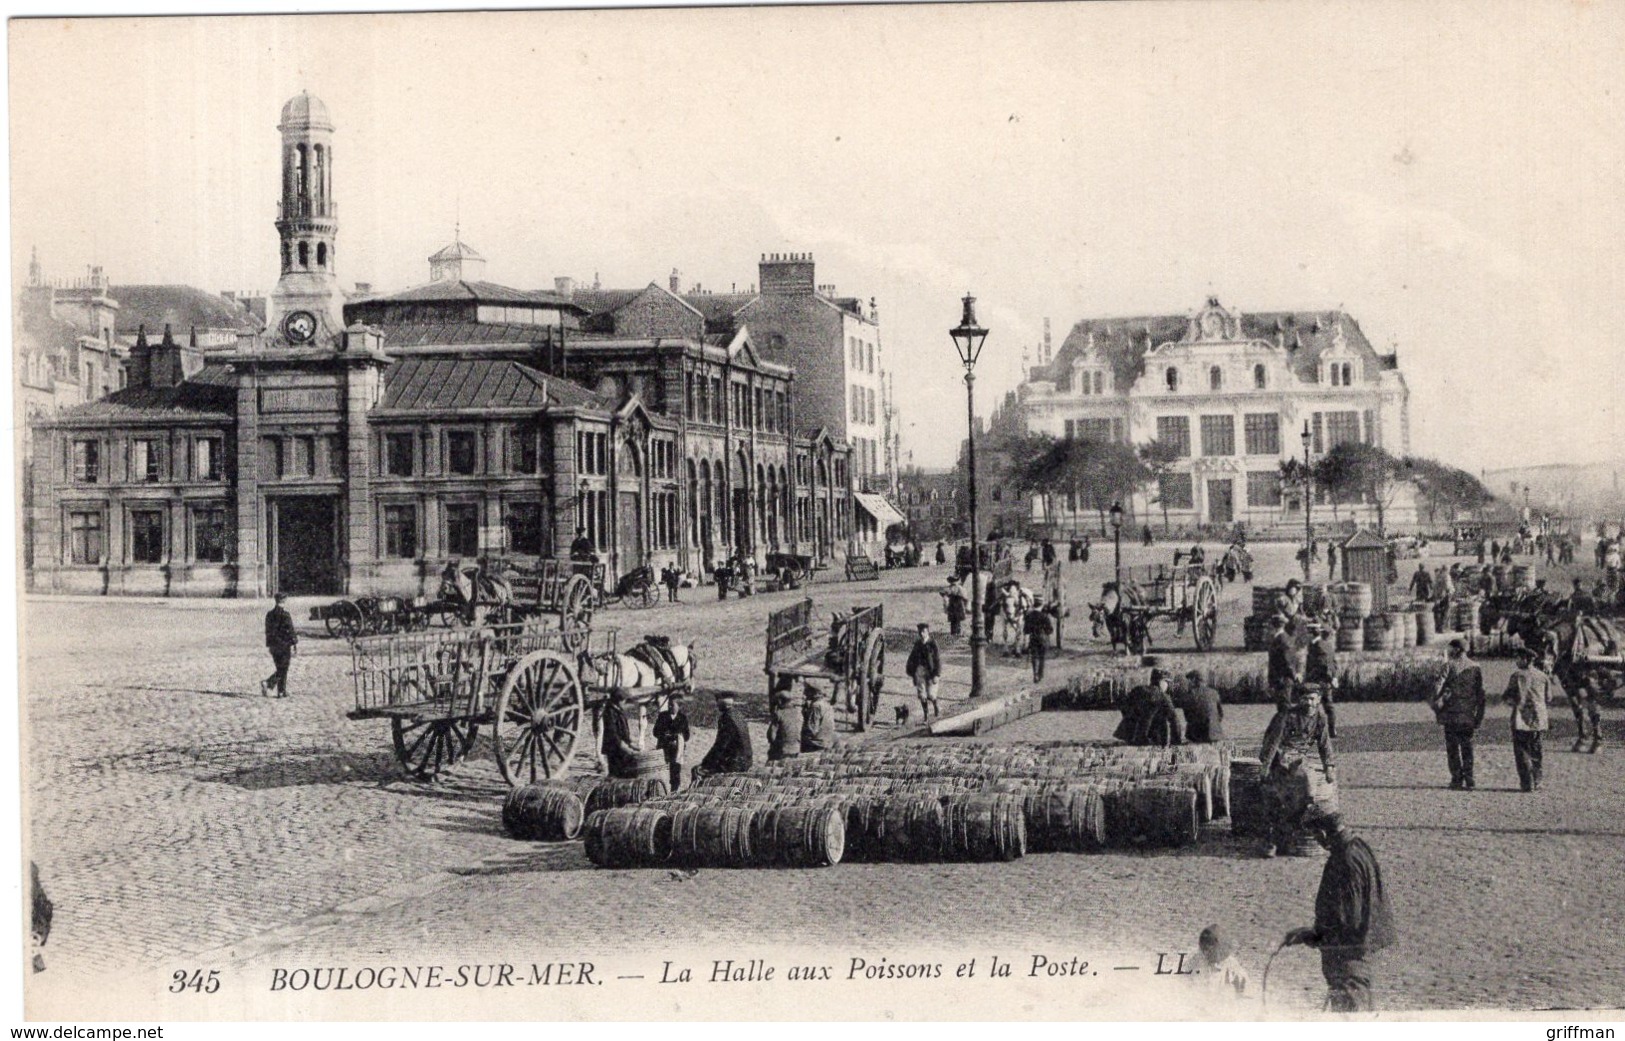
point(628, 836)
point(1155, 815)
point(1355, 598)
point(651, 765)
point(542, 813)
point(1424, 626)
point(799, 834)
point(911, 828)
point(1350, 634)
point(1407, 628)
point(607, 795)
point(713, 836)
point(1376, 632)
point(984, 827)
point(1249, 814)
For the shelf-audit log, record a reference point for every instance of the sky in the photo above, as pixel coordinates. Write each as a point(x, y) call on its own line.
point(1451, 174)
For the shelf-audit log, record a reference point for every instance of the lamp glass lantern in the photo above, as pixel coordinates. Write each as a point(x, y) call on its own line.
point(1116, 513)
point(969, 334)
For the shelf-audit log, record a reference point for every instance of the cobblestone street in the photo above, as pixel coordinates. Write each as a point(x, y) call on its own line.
point(180, 820)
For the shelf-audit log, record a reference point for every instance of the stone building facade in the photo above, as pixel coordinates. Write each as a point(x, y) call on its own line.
point(1234, 392)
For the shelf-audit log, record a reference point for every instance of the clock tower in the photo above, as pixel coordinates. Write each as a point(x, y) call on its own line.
point(307, 306)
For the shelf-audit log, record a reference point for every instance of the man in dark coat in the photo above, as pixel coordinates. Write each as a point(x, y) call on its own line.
point(671, 737)
point(1037, 626)
point(619, 751)
point(280, 639)
point(731, 754)
point(1204, 712)
point(1297, 733)
point(817, 721)
point(582, 549)
point(1149, 716)
point(1321, 668)
point(1458, 704)
point(1285, 669)
point(923, 667)
point(1352, 918)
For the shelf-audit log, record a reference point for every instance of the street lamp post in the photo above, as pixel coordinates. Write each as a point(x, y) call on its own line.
point(968, 339)
point(1116, 513)
point(1308, 504)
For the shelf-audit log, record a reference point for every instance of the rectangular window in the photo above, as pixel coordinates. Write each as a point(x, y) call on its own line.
point(209, 534)
point(1342, 427)
point(208, 462)
point(463, 529)
point(1095, 430)
point(1176, 431)
point(869, 353)
point(688, 390)
point(719, 407)
point(304, 456)
point(522, 450)
point(401, 531)
point(398, 455)
point(1264, 488)
point(85, 545)
point(146, 536)
point(1371, 437)
point(462, 451)
point(144, 455)
point(1263, 430)
point(87, 461)
point(1218, 435)
point(525, 530)
point(1174, 492)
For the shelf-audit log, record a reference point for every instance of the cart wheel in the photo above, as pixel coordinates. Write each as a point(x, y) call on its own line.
point(647, 596)
point(575, 613)
point(344, 619)
point(426, 746)
point(1205, 616)
point(538, 716)
point(872, 679)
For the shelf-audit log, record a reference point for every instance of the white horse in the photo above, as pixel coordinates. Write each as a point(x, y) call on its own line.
point(651, 666)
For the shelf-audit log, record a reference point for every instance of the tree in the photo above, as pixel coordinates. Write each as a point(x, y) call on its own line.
point(1353, 470)
point(1159, 458)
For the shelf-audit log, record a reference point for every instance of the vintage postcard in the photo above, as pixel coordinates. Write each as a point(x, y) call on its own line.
point(931, 512)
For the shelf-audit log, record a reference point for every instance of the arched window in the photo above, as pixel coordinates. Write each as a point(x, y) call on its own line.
point(320, 188)
point(1348, 374)
point(1171, 377)
point(1215, 378)
point(304, 254)
point(1258, 377)
point(321, 254)
point(1100, 382)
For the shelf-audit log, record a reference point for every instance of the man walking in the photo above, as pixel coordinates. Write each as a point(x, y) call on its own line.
point(1458, 704)
point(924, 666)
point(280, 639)
point(1037, 627)
point(1528, 692)
point(1421, 586)
point(1204, 712)
point(1352, 919)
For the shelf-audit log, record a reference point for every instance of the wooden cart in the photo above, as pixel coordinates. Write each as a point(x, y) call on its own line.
point(851, 657)
point(1184, 594)
point(373, 615)
point(438, 688)
point(569, 590)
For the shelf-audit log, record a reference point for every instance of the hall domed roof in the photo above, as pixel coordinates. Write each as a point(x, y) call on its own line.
point(305, 109)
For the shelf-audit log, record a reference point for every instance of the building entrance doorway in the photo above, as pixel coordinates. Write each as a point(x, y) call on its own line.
point(304, 545)
point(1221, 501)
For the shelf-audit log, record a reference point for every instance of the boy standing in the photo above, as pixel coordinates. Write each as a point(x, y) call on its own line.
point(924, 666)
point(671, 736)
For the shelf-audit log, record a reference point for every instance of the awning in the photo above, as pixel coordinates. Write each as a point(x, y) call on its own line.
point(877, 507)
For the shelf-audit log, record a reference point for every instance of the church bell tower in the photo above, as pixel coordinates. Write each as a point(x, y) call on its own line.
point(307, 306)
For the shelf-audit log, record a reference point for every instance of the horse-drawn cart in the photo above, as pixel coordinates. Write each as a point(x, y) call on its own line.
point(373, 615)
point(1184, 594)
point(852, 659)
point(536, 688)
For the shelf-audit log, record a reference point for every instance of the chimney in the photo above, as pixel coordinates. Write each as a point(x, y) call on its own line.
point(827, 290)
point(1047, 354)
point(139, 367)
point(676, 281)
point(789, 274)
point(565, 287)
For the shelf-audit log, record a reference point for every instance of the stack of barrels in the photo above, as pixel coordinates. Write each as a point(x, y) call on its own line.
point(1354, 602)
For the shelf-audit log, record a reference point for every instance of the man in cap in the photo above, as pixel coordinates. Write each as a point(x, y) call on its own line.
point(1297, 732)
point(1204, 712)
point(1321, 669)
point(1352, 918)
point(1529, 694)
point(923, 667)
point(672, 735)
point(1155, 720)
point(784, 722)
point(1284, 671)
point(731, 752)
point(817, 721)
point(280, 639)
point(1037, 627)
point(1458, 704)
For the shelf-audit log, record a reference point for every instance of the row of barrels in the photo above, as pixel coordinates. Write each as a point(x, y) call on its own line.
point(553, 811)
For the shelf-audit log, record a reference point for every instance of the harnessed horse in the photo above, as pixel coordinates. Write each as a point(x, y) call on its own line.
point(471, 588)
point(656, 664)
point(1109, 615)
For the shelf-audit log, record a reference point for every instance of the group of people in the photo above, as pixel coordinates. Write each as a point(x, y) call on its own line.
point(1154, 715)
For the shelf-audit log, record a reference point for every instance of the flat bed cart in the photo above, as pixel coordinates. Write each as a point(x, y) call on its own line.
point(569, 590)
point(1185, 594)
point(851, 658)
point(438, 688)
point(372, 615)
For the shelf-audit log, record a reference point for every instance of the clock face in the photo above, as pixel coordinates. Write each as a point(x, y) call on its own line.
point(299, 326)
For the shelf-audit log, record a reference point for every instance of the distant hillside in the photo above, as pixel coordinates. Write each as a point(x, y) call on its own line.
point(1583, 488)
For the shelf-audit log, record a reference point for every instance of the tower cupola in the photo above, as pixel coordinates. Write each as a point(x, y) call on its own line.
point(307, 305)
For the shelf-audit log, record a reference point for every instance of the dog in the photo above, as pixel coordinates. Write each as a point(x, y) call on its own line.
point(902, 712)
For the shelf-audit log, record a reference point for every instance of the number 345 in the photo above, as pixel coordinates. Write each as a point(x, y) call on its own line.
point(196, 980)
